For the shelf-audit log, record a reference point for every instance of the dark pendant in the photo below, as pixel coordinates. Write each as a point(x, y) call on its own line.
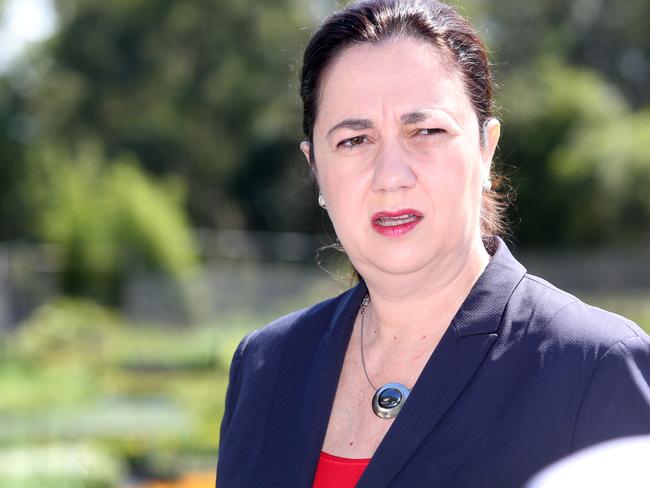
point(389, 399)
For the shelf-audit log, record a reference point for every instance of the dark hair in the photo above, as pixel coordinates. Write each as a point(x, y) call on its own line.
point(376, 21)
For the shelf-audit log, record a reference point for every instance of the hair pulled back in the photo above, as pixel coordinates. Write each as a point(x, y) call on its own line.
point(377, 21)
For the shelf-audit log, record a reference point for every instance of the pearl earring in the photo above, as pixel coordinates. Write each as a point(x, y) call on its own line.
point(487, 184)
point(321, 201)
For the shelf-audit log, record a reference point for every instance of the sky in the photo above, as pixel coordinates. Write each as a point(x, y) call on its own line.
point(22, 23)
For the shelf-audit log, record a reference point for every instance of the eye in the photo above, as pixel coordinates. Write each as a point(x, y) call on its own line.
point(429, 132)
point(352, 142)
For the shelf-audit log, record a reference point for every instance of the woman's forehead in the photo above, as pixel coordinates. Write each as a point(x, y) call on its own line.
point(401, 75)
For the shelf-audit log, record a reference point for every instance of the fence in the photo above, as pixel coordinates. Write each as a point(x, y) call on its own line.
point(260, 272)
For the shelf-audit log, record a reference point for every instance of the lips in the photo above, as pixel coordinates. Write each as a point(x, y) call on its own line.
point(396, 223)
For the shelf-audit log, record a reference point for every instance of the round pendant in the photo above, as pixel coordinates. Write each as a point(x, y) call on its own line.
point(389, 399)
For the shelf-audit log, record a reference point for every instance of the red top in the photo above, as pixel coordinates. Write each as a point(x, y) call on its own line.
point(338, 472)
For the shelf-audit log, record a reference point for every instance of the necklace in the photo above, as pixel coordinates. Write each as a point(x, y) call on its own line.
point(389, 399)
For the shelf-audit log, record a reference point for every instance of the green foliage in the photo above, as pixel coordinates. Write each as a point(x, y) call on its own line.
point(605, 36)
point(108, 219)
point(197, 88)
point(54, 358)
point(207, 91)
point(150, 349)
point(550, 91)
point(66, 327)
point(26, 387)
point(579, 156)
point(11, 163)
point(76, 371)
point(58, 466)
point(607, 166)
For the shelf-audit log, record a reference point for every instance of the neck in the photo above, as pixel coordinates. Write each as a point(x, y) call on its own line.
point(410, 306)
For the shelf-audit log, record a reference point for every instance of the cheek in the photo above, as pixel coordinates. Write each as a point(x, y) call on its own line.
point(453, 174)
point(342, 196)
point(453, 188)
point(342, 181)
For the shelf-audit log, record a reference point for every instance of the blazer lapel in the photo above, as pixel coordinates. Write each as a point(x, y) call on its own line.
point(448, 373)
point(299, 433)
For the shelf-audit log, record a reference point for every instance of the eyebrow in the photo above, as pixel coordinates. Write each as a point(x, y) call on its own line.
point(424, 114)
point(353, 124)
point(408, 118)
point(415, 117)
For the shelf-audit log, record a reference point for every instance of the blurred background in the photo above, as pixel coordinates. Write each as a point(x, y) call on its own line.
point(154, 206)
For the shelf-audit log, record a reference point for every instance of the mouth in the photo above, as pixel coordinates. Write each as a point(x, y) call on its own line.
point(397, 223)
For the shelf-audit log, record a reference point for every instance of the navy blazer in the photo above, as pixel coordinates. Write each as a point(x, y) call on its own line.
point(524, 375)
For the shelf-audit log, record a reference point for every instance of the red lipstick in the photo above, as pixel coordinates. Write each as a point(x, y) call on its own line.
point(396, 223)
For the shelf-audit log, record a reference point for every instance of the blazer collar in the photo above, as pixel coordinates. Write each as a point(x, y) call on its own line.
point(481, 311)
point(455, 360)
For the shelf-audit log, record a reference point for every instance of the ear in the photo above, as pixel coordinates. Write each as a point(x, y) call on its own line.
point(492, 131)
point(305, 147)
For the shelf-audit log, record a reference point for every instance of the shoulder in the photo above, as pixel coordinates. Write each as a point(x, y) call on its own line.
point(260, 356)
point(559, 317)
point(595, 362)
point(305, 327)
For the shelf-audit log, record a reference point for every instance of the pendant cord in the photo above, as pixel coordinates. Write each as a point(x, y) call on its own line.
point(362, 311)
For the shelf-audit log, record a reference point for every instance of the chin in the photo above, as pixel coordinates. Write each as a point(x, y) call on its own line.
point(399, 270)
point(397, 264)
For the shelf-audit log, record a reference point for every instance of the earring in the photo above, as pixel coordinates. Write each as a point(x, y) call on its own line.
point(321, 201)
point(487, 184)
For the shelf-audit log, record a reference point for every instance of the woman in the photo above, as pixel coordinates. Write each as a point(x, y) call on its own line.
point(447, 365)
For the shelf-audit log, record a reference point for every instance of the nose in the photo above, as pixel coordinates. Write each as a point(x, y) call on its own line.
point(392, 169)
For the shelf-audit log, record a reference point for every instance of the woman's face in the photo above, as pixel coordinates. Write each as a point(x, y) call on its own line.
point(398, 157)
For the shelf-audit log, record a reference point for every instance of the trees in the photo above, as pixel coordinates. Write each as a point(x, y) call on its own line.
point(574, 92)
point(194, 91)
point(576, 155)
point(196, 88)
point(108, 218)
point(207, 91)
